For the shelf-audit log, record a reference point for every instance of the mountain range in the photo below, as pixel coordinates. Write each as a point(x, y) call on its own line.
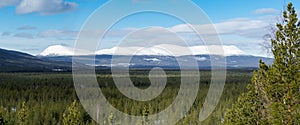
point(18, 61)
point(158, 50)
point(59, 58)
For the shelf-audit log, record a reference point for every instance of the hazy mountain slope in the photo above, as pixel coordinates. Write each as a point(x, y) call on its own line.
point(17, 61)
point(148, 61)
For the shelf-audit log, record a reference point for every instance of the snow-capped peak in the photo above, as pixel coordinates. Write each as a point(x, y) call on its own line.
point(173, 50)
point(59, 50)
point(158, 50)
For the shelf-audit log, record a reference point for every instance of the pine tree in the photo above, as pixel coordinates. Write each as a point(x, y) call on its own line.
point(111, 119)
point(23, 114)
point(72, 115)
point(274, 95)
point(145, 114)
point(3, 116)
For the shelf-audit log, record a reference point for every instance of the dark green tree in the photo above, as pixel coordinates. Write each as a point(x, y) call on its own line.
point(145, 114)
point(23, 114)
point(3, 116)
point(72, 115)
point(274, 95)
point(111, 119)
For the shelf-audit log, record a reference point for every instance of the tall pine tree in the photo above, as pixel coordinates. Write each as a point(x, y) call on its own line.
point(23, 114)
point(3, 116)
point(145, 114)
point(274, 95)
point(111, 119)
point(72, 115)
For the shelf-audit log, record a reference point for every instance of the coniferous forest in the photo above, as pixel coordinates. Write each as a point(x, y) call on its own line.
point(50, 98)
point(269, 95)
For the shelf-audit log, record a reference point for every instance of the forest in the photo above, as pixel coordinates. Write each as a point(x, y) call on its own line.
point(44, 98)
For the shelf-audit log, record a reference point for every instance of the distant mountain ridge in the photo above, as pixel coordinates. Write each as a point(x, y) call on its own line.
point(154, 57)
point(161, 50)
point(171, 62)
point(18, 61)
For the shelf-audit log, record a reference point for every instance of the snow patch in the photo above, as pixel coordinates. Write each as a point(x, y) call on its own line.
point(59, 50)
point(200, 58)
point(158, 50)
point(152, 59)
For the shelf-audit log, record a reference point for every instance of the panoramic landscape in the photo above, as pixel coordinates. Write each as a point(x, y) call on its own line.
point(143, 62)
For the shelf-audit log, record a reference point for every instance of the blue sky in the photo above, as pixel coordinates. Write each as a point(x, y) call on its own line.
point(33, 25)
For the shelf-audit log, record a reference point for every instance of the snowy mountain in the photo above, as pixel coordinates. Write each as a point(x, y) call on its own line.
point(11, 61)
point(173, 50)
point(59, 58)
point(161, 50)
point(59, 50)
point(168, 62)
point(164, 56)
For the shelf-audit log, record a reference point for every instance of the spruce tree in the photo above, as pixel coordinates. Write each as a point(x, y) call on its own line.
point(72, 115)
point(145, 114)
point(111, 119)
point(3, 116)
point(23, 114)
point(274, 95)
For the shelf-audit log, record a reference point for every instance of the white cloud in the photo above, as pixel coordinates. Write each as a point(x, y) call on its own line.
point(152, 36)
point(244, 33)
point(24, 35)
point(241, 32)
point(58, 33)
point(27, 27)
point(239, 26)
point(5, 33)
point(266, 11)
point(242, 27)
point(43, 7)
point(4, 3)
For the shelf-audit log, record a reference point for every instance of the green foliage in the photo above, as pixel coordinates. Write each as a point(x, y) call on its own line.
point(23, 114)
point(3, 116)
point(49, 95)
point(111, 119)
point(274, 95)
point(145, 114)
point(72, 115)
